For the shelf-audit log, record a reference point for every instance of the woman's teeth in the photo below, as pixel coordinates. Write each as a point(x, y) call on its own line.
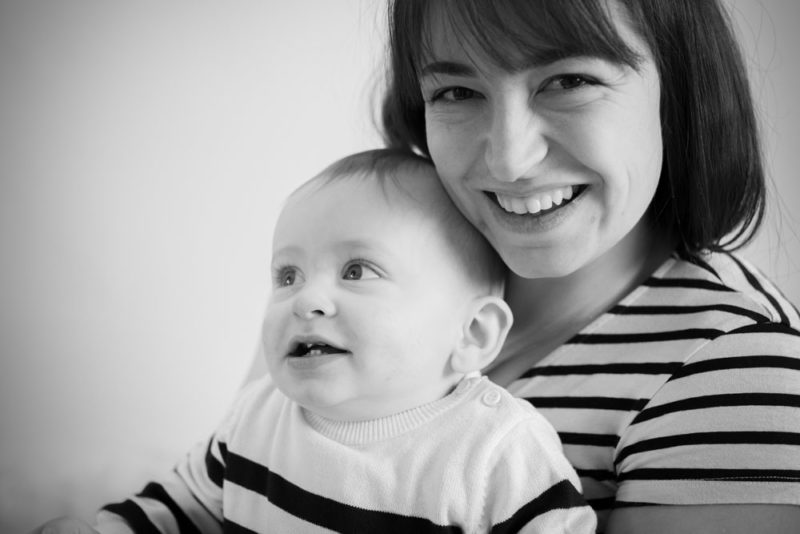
point(535, 203)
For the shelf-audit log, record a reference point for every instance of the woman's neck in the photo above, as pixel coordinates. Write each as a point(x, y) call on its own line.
point(549, 311)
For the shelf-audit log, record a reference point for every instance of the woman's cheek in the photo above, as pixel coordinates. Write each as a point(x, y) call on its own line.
point(452, 147)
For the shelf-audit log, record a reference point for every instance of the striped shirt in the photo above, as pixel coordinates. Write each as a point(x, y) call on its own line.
point(474, 461)
point(686, 392)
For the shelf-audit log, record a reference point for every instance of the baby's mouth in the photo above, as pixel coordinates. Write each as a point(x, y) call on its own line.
point(300, 350)
point(538, 204)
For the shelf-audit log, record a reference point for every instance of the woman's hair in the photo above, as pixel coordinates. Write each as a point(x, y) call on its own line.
point(711, 192)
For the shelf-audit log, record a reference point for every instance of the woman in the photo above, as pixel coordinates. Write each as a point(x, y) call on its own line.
point(608, 150)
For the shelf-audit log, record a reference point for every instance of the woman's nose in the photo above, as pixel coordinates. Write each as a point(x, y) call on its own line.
point(313, 301)
point(515, 143)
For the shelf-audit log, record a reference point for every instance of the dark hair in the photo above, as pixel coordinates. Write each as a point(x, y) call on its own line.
point(389, 167)
point(711, 193)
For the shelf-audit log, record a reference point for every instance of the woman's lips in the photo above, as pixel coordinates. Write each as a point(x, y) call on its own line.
point(540, 202)
point(531, 214)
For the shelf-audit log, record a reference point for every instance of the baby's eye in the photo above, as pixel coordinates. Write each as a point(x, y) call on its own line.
point(454, 94)
point(358, 270)
point(285, 277)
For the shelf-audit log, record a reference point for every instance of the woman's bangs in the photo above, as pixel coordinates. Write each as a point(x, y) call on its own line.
point(515, 35)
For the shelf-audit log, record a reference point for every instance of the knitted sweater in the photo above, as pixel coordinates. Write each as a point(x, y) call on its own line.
point(474, 461)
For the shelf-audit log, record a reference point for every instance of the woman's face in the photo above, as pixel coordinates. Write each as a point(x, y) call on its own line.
point(555, 163)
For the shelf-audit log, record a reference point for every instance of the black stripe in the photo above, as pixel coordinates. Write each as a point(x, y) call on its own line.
point(604, 503)
point(595, 440)
point(735, 474)
point(692, 283)
point(229, 527)
point(594, 403)
point(646, 337)
point(766, 328)
point(737, 362)
point(157, 492)
point(198, 502)
point(708, 438)
point(633, 504)
point(684, 310)
point(718, 401)
point(320, 510)
point(134, 515)
point(215, 468)
point(700, 262)
point(665, 368)
point(753, 281)
point(596, 474)
point(559, 496)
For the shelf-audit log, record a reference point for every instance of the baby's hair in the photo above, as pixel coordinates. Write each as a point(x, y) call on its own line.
point(388, 166)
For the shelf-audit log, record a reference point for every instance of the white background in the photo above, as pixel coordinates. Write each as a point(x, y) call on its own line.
point(145, 148)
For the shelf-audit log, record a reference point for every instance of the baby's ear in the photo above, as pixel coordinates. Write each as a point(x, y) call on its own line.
point(485, 329)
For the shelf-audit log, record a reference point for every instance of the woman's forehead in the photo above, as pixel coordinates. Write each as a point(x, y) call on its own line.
point(514, 35)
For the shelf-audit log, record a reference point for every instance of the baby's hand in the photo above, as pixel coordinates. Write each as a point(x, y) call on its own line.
point(65, 525)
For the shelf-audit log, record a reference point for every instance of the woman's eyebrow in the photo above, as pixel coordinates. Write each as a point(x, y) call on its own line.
point(449, 68)
point(543, 59)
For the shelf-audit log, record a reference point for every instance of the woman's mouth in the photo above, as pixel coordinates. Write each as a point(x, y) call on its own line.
point(538, 204)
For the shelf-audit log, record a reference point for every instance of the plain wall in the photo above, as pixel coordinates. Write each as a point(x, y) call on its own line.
point(145, 148)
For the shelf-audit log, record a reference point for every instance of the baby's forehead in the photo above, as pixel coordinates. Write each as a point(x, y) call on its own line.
point(356, 209)
point(416, 187)
point(357, 204)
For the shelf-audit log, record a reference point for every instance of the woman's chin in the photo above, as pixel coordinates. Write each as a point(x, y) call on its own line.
point(545, 264)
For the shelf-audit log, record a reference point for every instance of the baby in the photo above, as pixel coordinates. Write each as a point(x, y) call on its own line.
point(386, 304)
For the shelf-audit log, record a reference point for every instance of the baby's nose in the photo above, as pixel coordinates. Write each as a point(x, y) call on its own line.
point(312, 302)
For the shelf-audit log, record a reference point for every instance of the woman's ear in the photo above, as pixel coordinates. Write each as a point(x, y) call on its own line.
point(484, 332)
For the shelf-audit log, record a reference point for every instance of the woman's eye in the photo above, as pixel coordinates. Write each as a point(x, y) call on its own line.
point(359, 271)
point(566, 82)
point(454, 94)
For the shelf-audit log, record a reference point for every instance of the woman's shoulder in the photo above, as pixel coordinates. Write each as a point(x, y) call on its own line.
point(727, 414)
point(702, 307)
point(752, 337)
point(719, 291)
point(728, 282)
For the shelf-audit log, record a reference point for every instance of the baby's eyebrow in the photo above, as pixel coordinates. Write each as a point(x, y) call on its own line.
point(288, 250)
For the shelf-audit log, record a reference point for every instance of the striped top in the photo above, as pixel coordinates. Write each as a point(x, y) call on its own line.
point(686, 392)
point(474, 461)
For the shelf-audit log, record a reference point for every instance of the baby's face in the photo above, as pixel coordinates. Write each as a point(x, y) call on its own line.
point(366, 306)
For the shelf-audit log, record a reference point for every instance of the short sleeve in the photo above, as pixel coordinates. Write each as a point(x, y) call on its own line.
point(724, 429)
